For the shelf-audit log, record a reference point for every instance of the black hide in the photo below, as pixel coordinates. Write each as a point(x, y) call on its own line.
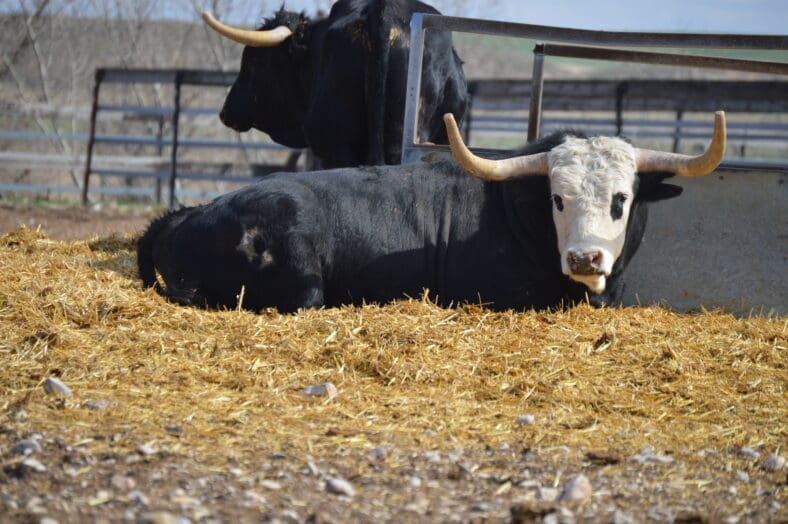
point(338, 84)
point(375, 234)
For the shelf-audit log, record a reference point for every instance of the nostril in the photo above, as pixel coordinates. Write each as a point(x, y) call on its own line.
point(585, 263)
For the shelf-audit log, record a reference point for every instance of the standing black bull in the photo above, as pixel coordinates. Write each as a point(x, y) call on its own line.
point(379, 233)
point(337, 84)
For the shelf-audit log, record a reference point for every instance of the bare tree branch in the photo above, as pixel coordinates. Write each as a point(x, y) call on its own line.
point(42, 73)
point(64, 147)
point(25, 40)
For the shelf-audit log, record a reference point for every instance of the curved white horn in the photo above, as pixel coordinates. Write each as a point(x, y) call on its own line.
point(686, 165)
point(487, 169)
point(263, 38)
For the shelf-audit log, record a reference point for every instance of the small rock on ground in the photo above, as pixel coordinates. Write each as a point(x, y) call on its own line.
point(25, 447)
point(622, 518)
point(99, 404)
point(774, 463)
point(660, 459)
point(55, 386)
point(339, 487)
point(526, 420)
point(328, 390)
point(377, 454)
point(138, 497)
point(122, 482)
point(576, 490)
point(548, 494)
point(34, 465)
point(146, 450)
point(161, 517)
point(271, 485)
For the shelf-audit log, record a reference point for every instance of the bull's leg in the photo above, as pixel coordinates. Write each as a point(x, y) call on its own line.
point(306, 286)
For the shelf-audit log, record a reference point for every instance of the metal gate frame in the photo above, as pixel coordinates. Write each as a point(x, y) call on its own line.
point(413, 151)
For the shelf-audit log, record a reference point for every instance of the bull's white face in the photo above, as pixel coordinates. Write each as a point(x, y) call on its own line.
point(592, 182)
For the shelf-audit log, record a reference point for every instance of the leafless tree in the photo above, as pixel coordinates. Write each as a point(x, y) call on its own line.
point(37, 17)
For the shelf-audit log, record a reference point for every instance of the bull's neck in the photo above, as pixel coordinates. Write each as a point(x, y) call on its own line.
point(528, 209)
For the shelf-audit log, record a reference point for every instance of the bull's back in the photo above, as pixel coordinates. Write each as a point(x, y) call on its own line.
point(363, 234)
point(378, 232)
point(396, 230)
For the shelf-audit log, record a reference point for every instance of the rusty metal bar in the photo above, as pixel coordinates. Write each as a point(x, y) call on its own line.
point(92, 136)
point(605, 38)
point(174, 147)
point(203, 77)
point(537, 85)
point(641, 57)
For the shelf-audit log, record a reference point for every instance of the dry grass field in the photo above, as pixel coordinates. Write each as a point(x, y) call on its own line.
point(440, 415)
point(177, 415)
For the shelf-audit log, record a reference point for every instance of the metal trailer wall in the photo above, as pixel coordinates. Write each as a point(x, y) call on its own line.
point(722, 244)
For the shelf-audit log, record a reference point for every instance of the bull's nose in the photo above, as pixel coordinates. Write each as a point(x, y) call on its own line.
point(230, 120)
point(585, 262)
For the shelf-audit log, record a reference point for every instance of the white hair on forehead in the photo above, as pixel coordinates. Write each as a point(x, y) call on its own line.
point(591, 165)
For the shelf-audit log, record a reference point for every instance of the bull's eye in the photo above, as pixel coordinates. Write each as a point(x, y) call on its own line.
point(559, 204)
point(617, 206)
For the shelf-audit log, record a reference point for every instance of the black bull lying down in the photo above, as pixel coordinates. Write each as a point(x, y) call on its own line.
point(503, 237)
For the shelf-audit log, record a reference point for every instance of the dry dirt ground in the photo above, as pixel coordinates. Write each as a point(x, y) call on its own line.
point(47, 476)
point(72, 223)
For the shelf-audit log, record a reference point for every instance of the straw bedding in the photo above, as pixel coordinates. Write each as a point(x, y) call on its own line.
point(408, 373)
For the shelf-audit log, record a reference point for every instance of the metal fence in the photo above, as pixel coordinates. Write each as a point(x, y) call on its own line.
point(178, 78)
point(161, 154)
point(516, 107)
point(608, 107)
point(660, 95)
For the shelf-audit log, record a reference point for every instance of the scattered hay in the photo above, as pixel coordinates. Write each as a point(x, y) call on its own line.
point(409, 372)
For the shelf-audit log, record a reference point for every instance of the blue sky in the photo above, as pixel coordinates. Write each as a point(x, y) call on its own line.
point(712, 16)
point(724, 16)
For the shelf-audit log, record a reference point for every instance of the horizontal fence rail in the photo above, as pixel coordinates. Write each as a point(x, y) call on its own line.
point(602, 38)
point(641, 57)
point(162, 168)
point(498, 106)
point(178, 78)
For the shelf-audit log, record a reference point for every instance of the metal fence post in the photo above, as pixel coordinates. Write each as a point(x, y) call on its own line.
point(174, 147)
point(537, 84)
point(677, 132)
point(413, 96)
point(159, 151)
point(99, 76)
point(621, 90)
point(466, 128)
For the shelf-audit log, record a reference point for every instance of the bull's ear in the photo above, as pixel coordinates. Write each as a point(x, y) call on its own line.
point(652, 188)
